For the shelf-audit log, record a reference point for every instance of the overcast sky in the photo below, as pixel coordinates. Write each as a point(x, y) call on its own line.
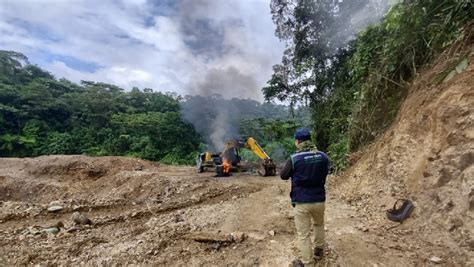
point(183, 46)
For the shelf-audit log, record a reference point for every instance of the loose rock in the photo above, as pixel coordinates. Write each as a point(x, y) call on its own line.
point(436, 260)
point(53, 230)
point(79, 218)
point(55, 208)
point(238, 237)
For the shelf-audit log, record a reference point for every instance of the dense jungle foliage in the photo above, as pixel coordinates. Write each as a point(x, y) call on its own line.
point(274, 135)
point(42, 115)
point(355, 90)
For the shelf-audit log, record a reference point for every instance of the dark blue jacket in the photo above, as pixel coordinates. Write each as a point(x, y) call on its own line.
point(308, 171)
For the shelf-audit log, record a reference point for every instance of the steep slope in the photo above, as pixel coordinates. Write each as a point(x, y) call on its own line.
point(427, 156)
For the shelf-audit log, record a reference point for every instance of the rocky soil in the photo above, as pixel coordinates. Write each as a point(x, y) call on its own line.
point(69, 210)
point(426, 156)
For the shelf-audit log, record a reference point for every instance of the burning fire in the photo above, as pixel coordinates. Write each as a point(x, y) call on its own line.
point(226, 167)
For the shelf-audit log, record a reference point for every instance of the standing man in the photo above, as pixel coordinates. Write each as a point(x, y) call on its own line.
point(307, 169)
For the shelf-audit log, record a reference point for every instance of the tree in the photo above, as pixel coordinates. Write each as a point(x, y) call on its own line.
point(42, 115)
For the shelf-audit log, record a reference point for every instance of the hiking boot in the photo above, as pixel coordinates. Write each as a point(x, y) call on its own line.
point(318, 253)
point(296, 263)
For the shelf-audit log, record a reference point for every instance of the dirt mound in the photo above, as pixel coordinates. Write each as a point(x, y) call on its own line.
point(51, 173)
point(427, 156)
point(141, 212)
point(82, 167)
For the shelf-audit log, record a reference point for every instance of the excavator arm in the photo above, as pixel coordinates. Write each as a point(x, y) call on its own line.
point(256, 148)
point(267, 167)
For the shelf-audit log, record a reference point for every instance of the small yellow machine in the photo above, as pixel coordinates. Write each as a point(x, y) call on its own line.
point(230, 158)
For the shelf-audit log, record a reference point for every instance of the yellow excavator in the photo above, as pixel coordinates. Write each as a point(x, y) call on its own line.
point(229, 159)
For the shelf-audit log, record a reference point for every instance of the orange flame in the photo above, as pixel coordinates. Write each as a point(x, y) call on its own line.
point(226, 166)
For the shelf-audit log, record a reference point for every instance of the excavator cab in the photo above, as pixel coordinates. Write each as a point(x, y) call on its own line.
point(207, 160)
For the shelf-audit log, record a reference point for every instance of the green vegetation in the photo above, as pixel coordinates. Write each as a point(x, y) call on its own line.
point(355, 90)
point(42, 115)
point(275, 137)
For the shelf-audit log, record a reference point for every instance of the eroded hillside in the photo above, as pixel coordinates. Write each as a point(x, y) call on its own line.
point(427, 156)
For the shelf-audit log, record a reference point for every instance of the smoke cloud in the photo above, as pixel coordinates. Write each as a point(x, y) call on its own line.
point(234, 39)
point(240, 49)
point(217, 119)
point(355, 15)
point(219, 129)
point(230, 82)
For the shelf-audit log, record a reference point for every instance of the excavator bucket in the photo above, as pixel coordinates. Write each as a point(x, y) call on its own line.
point(267, 168)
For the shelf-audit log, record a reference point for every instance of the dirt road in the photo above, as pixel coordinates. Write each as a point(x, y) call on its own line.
point(149, 214)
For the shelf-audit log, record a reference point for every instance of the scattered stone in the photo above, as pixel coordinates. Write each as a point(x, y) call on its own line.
point(436, 260)
point(271, 232)
point(211, 237)
point(55, 208)
point(55, 203)
point(238, 237)
point(80, 219)
point(53, 230)
point(178, 218)
point(138, 168)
